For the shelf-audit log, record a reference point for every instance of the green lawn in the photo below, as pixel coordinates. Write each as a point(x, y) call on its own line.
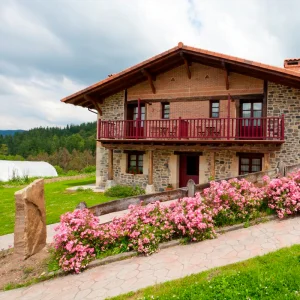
point(272, 276)
point(58, 201)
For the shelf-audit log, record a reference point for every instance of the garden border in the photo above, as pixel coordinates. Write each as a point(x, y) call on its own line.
point(122, 204)
point(165, 245)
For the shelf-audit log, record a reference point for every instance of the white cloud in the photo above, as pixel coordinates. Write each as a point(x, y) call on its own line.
point(35, 102)
point(48, 53)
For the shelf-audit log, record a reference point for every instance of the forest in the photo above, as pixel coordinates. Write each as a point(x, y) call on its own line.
point(69, 148)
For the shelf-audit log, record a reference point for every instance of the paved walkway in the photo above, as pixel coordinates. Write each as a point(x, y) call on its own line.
point(139, 272)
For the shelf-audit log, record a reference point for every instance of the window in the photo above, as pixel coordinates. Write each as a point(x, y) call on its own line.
point(250, 163)
point(165, 110)
point(135, 162)
point(214, 109)
point(136, 112)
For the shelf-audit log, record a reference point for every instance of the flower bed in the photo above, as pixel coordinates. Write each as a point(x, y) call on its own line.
point(81, 238)
point(283, 194)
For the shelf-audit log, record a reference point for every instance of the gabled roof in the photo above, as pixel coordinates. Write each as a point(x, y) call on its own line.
point(173, 58)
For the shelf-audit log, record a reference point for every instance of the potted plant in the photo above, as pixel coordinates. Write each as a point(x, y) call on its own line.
point(169, 187)
point(134, 171)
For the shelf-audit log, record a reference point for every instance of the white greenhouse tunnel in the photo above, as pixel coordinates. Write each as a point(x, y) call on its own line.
point(20, 169)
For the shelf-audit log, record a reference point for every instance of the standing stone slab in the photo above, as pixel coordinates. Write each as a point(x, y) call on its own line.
point(191, 188)
point(30, 220)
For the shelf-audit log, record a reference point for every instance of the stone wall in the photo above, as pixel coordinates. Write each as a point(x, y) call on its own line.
point(161, 168)
point(166, 168)
point(226, 164)
point(112, 109)
point(286, 100)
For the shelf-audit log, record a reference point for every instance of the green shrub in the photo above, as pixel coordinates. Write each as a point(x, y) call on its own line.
point(59, 170)
point(122, 191)
point(72, 173)
point(11, 157)
point(89, 169)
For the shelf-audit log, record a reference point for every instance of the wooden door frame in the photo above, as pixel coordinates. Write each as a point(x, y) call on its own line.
point(254, 100)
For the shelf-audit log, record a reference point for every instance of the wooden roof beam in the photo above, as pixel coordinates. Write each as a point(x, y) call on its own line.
point(225, 67)
point(187, 65)
point(150, 78)
point(94, 102)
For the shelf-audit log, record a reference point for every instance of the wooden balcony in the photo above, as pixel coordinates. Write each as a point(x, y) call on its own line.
point(212, 130)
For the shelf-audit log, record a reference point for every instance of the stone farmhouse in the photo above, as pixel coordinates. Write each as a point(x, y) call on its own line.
point(190, 113)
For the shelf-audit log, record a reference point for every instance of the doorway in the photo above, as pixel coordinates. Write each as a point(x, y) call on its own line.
point(188, 168)
point(251, 123)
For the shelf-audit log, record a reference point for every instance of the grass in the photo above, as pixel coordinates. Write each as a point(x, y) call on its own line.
point(273, 276)
point(58, 201)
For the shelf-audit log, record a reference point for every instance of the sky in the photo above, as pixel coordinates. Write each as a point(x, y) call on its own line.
point(50, 49)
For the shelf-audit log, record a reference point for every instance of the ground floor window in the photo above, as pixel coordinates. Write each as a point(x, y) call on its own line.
point(135, 162)
point(250, 163)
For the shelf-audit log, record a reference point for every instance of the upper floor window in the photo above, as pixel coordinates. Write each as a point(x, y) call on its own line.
point(165, 107)
point(214, 109)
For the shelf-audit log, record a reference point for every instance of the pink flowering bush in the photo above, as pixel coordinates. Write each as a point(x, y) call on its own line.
point(283, 194)
point(233, 201)
point(74, 241)
point(81, 238)
point(192, 219)
point(142, 229)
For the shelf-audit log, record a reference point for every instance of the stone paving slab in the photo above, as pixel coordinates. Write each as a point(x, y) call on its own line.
point(92, 187)
point(171, 263)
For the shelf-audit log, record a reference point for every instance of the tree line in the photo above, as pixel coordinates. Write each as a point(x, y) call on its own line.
point(70, 148)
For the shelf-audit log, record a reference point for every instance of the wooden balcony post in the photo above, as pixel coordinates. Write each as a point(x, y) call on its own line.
point(266, 162)
point(228, 117)
point(213, 165)
point(150, 168)
point(110, 164)
point(179, 128)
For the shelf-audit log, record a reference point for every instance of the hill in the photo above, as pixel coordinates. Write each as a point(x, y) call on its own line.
point(10, 132)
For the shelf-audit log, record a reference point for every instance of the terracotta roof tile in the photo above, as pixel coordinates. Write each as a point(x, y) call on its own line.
point(292, 59)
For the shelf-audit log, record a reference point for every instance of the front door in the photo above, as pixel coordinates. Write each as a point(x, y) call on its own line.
point(188, 169)
point(251, 122)
point(135, 128)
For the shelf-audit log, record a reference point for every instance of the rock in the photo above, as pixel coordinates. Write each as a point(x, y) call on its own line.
point(81, 205)
point(30, 220)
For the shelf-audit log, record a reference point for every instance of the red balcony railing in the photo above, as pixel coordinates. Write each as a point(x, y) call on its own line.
point(268, 128)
